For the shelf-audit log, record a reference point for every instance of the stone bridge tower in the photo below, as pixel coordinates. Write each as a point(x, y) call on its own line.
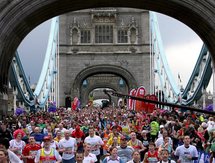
point(103, 48)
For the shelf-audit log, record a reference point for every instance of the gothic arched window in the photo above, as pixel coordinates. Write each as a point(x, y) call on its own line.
point(85, 36)
point(122, 36)
point(103, 34)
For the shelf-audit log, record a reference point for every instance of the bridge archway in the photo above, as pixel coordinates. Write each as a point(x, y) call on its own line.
point(85, 94)
point(18, 18)
point(101, 69)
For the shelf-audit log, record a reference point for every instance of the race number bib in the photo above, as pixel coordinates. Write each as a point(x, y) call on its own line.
point(33, 153)
point(69, 150)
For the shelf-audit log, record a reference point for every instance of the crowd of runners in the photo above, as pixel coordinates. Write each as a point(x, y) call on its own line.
point(108, 135)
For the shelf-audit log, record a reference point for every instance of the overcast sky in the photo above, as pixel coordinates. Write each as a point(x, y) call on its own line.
point(182, 47)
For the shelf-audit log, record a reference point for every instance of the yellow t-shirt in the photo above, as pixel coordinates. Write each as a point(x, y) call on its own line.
point(110, 140)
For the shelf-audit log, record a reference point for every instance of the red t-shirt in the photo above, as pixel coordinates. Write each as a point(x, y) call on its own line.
point(31, 150)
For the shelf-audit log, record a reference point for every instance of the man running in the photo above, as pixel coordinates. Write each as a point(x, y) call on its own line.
point(47, 154)
point(186, 153)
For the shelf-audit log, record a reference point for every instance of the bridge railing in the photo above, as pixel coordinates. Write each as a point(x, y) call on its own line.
point(17, 75)
point(49, 69)
point(199, 78)
point(44, 86)
point(164, 80)
point(198, 81)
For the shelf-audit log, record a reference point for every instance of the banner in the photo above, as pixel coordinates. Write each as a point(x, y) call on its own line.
point(152, 106)
point(131, 101)
point(203, 157)
point(139, 105)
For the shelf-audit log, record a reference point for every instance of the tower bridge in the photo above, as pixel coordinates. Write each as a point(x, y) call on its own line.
point(105, 40)
point(121, 43)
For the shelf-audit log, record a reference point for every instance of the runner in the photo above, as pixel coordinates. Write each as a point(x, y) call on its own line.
point(4, 158)
point(4, 143)
point(164, 155)
point(152, 155)
point(30, 150)
point(124, 151)
point(113, 158)
point(68, 146)
point(186, 153)
point(16, 144)
point(89, 157)
point(135, 157)
point(47, 154)
point(95, 142)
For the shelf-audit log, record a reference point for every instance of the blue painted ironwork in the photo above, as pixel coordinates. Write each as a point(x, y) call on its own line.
point(17, 75)
point(40, 95)
point(199, 78)
point(161, 67)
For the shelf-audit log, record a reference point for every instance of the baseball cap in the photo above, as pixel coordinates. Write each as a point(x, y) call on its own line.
point(145, 131)
point(161, 126)
point(46, 138)
point(204, 125)
point(123, 138)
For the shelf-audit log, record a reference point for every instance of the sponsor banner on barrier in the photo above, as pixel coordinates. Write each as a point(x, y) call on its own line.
point(203, 157)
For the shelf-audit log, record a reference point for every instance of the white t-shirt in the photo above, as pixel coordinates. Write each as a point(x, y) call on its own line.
point(112, 161)
point(61, 130)
point(166, 161)
point(69, 145)
point(19, 145)
point(211, 125)
point(132, 161)
point(90, 158)
point(13, 157)
point(29, 128)
point(56, 154)
point(160, 141)
point(95, 142)
point(183, 153)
